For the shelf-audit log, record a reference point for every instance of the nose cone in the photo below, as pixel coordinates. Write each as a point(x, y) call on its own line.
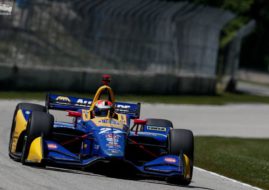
point(112, 142)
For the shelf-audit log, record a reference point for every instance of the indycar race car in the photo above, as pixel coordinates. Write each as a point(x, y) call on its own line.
point(102, 131)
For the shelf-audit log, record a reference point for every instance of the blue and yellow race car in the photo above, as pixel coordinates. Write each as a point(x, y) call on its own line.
point(102, 131)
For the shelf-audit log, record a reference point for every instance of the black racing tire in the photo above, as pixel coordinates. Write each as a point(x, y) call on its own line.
point(39, 124)
point(181, 140)
point(26, 106)
point(159, 122)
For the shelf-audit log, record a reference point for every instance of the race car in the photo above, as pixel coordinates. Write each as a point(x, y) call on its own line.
point(101, 131)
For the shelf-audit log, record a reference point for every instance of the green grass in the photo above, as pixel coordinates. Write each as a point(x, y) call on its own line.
point(246, 160)
point(222, 99)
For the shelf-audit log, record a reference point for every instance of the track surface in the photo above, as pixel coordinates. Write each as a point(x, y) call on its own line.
point(203, 120)
point(254, 89)
point(230, 120)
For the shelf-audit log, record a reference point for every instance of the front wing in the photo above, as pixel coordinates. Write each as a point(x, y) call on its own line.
point(52, 153)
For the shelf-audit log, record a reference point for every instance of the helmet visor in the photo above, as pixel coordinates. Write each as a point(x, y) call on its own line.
point(101, 112)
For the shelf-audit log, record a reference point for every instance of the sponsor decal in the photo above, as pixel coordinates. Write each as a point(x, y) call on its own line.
point(63, 99)
point(109, 139)
point(114, 140)
point(170, 160)
point(154, 128)
point(6, 7)
point(112, 145)
point(27, 112)
point(113, 122)
point(52, 146)
point(150, 134)
point(110, 135)
point(84, 102)
point(121, 106)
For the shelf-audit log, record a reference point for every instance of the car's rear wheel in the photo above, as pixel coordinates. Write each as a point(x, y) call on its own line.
point(21, 106)
point(39, 124)
point(181, 141)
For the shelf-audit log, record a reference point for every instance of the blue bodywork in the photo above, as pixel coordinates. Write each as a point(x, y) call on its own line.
point(103, 140)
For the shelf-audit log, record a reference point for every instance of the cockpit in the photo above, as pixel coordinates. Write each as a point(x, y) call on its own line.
point(103, 102)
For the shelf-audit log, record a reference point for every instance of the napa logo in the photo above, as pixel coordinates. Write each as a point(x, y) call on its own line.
point(170, 160)
point(6, 7)
point(63, 99)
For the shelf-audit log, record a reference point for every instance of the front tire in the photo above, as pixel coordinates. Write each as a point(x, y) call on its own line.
point(182, 141)
point(21, 106)
point(39, 124)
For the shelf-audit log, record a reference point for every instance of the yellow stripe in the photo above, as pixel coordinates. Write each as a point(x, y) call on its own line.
point(107, 122)
point(19, 128)
point(35, 152)
point(187, 173)
point(122, 118)
point(86, 115)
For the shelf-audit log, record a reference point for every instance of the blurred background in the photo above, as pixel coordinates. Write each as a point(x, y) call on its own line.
point(148, 46)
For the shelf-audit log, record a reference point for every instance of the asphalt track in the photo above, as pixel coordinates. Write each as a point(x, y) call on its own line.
point(243, 121)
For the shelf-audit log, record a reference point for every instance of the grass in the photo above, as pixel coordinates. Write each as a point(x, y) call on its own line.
point(243, 159)
point(222, 99)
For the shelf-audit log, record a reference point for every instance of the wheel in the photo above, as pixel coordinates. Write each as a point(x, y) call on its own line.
point(39, 124)
point(182, 141)
point(159, 122)
point(21, 106)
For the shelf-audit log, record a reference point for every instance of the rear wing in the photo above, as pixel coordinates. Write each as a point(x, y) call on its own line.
point(59, 102)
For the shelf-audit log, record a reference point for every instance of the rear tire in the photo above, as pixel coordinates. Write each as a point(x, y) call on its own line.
point(21, 106)
point(39, 124)
point(181, 141)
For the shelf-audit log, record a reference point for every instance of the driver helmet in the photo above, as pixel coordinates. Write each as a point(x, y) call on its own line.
point(102, 107)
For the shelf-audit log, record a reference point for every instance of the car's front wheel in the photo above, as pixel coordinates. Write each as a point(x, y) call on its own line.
point(40, 124)
point(15, 147)
point(181, 142)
